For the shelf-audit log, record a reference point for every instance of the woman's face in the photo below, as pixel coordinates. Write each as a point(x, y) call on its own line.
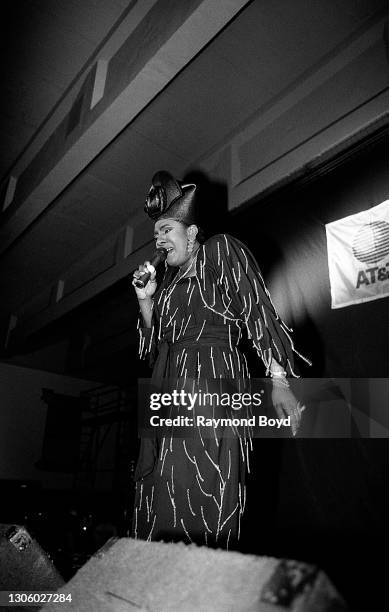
point(172, 236)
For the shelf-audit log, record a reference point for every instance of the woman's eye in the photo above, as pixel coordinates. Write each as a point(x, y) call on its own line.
point(164, 231)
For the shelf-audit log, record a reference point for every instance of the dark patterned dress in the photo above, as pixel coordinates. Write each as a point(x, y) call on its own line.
point(193, 489)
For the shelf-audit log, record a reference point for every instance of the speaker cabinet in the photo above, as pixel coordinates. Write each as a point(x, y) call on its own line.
point(24, 566)
point(161, 577)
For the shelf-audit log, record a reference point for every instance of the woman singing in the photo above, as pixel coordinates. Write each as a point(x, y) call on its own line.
point(193, 488)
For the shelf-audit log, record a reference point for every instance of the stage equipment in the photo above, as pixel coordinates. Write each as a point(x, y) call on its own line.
point(24, 565)
point(132, 574)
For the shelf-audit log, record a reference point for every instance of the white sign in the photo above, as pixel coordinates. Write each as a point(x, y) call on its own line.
point(358, 256)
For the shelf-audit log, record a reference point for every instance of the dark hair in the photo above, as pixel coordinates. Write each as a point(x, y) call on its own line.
point(201, 237)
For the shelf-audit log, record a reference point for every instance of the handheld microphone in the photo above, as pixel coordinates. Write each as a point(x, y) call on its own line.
point(158, 257)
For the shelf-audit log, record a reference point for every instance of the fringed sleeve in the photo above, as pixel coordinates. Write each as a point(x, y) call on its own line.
point(147, 340)
point(246, 298)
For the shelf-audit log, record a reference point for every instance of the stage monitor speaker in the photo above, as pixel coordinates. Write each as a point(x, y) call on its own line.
point(24, 565)
point(160, 577)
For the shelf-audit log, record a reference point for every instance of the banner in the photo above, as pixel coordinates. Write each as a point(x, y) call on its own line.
point(358, 256)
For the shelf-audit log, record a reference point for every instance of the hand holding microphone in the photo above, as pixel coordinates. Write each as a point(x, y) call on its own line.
point(144, 277)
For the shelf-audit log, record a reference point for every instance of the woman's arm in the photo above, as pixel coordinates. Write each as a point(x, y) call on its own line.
point(146, 293)
point(146, 309)
point(246, 298)
point(147, 344)
point(283, 399)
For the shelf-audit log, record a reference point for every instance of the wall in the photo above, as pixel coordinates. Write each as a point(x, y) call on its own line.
point(325, 500)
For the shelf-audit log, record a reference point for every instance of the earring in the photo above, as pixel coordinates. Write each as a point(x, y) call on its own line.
point(189, 246)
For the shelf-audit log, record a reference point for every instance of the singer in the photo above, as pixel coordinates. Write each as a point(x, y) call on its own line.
point(190, 326)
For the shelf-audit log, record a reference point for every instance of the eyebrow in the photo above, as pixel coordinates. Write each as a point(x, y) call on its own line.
point(162, 226)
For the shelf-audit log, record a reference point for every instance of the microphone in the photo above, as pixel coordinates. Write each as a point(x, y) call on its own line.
point(158, 257)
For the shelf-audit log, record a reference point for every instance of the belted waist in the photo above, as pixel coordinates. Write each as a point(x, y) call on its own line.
point(195, 336)
point(211, 335)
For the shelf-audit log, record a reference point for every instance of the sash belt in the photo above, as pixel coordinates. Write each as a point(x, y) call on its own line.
point(212, 335)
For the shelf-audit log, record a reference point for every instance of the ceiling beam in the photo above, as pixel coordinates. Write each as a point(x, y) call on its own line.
point(113, 92)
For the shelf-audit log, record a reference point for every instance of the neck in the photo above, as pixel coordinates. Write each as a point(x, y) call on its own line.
point(189, 261)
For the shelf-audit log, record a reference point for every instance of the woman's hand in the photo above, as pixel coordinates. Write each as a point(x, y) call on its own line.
point(285, 404)
point(149, 290)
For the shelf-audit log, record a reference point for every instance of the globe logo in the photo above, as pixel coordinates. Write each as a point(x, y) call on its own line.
point(371, 242)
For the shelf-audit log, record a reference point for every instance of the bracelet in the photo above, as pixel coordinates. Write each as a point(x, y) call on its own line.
point(279, 378)
point(277, 374)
